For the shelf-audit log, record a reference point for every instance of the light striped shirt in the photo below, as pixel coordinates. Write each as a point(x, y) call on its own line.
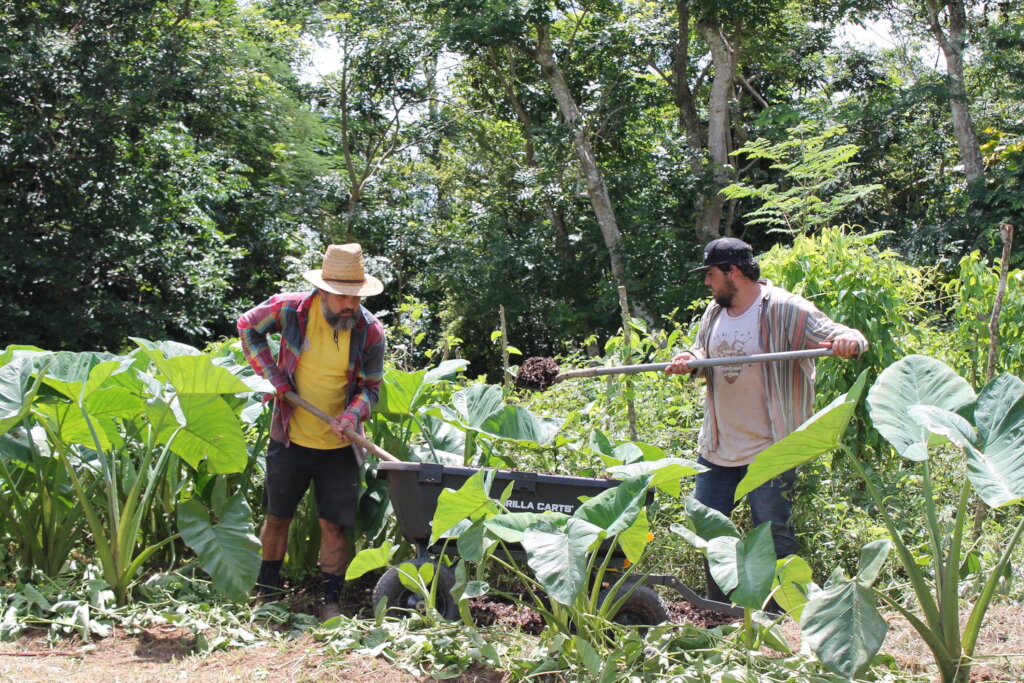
point(788, 322)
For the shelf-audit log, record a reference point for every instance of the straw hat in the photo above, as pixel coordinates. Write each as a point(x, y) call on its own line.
point(343, 272)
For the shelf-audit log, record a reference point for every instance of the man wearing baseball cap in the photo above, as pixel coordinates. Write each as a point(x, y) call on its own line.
point(751, 406)
point(331, 354)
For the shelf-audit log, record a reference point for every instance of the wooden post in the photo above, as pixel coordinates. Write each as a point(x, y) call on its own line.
point(627, 359)
point(504, 347)
point(1006, 230)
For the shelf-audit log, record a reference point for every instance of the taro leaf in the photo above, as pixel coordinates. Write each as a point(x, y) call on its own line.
point(445, 371)
point(791, 573)
point(476, 589)
point(68, 421)
point(17, 391)
point(634, 539)
point(746, 567)
point(872, 559)
point(818, 435)
point(706, 522)
point(398, 394)
point(557, 554)
point(68, 372)
point(842, 626)
point(114, 402)
point(227, 550)
point(16, 351)
point(997, 473)
point(600, 443)
point(473, 544)
point(476, 403)
point(510, 527)
point(370, 559)
point(211, 431)
point(614, 510)
point(515, 423)
point(914, 380)
point(667, 472)
point(191, 374)
point(588, 655)
point(469, 502)
point(446, 443)
point(771, 635)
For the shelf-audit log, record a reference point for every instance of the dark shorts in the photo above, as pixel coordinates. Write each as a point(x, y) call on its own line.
point(334, 473)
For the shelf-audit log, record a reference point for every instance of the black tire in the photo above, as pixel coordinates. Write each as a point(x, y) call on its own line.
point(643, 607)
point(401, 601)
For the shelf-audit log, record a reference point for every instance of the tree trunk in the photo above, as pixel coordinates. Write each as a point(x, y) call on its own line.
point(725, 58)
point(953, 42)
point(596, 188)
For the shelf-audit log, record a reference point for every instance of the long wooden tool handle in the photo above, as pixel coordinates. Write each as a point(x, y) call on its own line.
point(352, 434)
point(701, 363)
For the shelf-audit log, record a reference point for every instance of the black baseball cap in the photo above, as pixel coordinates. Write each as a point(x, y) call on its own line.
point(725, 251)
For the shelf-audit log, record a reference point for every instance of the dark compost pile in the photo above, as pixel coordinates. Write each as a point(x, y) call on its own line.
point(537, 373)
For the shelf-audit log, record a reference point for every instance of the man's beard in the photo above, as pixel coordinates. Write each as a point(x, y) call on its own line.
point(724, 299)
point(339, 322)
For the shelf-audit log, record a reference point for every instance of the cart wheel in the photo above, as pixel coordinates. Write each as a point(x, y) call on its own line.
point(400, 600)
point(643, 607)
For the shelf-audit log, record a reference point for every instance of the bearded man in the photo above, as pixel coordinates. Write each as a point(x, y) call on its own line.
point(331, 354)
point(751, 406)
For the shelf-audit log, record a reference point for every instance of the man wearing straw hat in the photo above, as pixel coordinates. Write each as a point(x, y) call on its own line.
point(749, 407)
point(331, 354)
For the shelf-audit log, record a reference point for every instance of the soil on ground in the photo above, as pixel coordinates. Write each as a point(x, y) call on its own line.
point(537, 373)
point(167, 653)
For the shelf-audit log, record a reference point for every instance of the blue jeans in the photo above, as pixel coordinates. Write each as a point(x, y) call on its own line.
point(770, 502)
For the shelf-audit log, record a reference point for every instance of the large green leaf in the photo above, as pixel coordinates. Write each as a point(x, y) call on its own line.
point(703, 524)
point(476, 403)
point(910, 381)
point(67, 420)
point(470, 502)
point(614, 510)
point(557, 554)
point(792, 576)
point(872, 559)
point(744, 566)
point(634, 540)
point(192, 374)
point(17, 391)
point(369, 559)
point(511, 526)
point(668, 472)
point(227, 550)
point(997, 472)
point(842, 626)
point(399, 393)
point(68, 372)
point(211, 431)
point(818, 435)
point(446, 370)
point(515, 423)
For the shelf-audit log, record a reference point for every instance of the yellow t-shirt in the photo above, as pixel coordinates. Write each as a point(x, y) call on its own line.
point(321, 378)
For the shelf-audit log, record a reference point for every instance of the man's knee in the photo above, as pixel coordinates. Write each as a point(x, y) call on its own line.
point(276, 525)
point(332, 531)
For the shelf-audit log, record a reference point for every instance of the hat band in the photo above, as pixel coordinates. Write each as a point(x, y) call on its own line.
point(345, 282)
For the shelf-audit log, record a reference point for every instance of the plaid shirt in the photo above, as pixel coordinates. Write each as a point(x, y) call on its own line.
point(788, 322)
point(288, 314)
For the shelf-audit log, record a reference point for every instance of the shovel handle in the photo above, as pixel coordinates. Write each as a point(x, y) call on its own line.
point(700, 363)
point(350, 433)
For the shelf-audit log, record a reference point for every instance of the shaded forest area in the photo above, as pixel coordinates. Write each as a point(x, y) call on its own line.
point(163, 165)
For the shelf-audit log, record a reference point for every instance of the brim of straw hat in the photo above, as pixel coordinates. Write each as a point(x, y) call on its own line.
point(368, 287)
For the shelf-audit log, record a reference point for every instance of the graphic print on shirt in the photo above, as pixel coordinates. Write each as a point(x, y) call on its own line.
point(733, 347)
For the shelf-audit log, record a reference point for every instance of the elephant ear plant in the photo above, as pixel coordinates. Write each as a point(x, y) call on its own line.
point(109, 430)
point(924, 409)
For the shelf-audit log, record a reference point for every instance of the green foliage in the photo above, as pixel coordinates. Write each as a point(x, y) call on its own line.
point(100, 451)
point(967, 338)
point(815, 188)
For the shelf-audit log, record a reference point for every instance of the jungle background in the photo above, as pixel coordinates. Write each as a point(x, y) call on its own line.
point(528, 178)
